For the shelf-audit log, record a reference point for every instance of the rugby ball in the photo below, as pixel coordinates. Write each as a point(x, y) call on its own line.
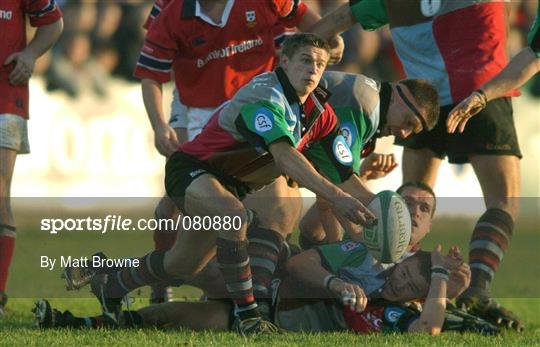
point(388, 240)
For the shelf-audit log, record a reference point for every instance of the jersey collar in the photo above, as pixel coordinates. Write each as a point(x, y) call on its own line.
point(384, 96)
point(320, 93)
point(192, 9)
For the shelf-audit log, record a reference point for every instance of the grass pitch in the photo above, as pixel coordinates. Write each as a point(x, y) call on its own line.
point(516, 285)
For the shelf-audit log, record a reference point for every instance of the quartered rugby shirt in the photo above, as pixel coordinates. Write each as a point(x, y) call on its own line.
point(236, 139)
point(456, 45)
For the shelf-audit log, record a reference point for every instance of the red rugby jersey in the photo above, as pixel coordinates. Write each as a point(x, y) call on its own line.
point(14, 99)
point(210, 62)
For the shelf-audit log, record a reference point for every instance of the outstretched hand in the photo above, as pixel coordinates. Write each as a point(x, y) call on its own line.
point(452, 261)
point(460, 115)
point(377, 165)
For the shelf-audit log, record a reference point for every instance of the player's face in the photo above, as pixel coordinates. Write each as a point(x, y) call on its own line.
point(406, 283)
point(305, 69)
point(421, 205)
point(401, 120)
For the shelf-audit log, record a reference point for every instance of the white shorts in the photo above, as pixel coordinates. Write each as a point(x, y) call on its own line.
point(192, 118)
point(14, 133)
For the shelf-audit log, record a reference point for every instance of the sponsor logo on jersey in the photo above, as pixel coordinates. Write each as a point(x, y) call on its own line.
point(430, 7)
point(5, 14)
point(349, 133)
point(230, 51)
point(342, 152)
point(263, 121)
point(392, 314)
point(251, 19)
point(349, 246)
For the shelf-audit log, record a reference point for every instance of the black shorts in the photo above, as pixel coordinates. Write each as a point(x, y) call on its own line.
point(491, 132)
point(182, 169)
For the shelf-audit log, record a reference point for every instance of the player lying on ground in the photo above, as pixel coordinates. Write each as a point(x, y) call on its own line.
point(407, 281)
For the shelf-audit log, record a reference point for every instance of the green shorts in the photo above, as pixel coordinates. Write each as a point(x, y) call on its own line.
point(182, 169)
point(490, 132)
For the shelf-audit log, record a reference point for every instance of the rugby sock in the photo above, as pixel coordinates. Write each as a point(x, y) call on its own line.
point(149, 272)
point(489, 241)
point(264, 248)
point(7, 245)
point(233, 260)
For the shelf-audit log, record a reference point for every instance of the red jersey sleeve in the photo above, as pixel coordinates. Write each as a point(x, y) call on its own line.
point(42, 12)
point(290, 12)
point(158, 6)
point(159, 48)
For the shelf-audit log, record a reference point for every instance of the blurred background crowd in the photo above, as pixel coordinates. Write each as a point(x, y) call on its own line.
point(102, 39)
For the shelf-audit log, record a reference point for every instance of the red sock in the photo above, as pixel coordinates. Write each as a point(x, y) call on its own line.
point(7, 245)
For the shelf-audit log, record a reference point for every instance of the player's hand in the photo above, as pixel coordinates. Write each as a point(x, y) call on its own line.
point(165, 140)
point(377, 165)
point(460, 279)
point(354, 211)
point(24, 67)
point(337, 45)
point(351, 295)
point(451, 261)
point(460, 115)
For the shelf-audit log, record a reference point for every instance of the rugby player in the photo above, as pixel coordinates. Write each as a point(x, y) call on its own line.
point(363, 106)
point(424, 38)
point(213, 48)
point(415, 278)
point(247, 144)
point(17, 61)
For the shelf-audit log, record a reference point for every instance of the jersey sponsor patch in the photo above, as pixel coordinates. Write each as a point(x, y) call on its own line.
point(263, 120)
point(349, 133)
point(392, 314)
point(342, 152)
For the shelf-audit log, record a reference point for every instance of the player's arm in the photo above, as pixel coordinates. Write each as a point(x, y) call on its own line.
point(154, 68)
point(432, 317)
point(296, 166)
point(165, 138)
point(307, 269)
point(518, 71)
point(25, 60)
point(371, 14)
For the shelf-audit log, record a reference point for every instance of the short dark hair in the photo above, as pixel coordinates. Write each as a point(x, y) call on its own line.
point(427, 97)
point(422, 186)
point(294, 42)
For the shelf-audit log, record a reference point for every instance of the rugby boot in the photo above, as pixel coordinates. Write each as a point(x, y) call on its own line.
point(48, 317)
point(456, 319)
point(111, 306)
point(491, 311)
point(78, 277)
point(254, 326)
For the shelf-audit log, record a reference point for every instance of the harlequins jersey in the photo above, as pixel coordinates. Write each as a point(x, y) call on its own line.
point(456, 45)
point(266, 110)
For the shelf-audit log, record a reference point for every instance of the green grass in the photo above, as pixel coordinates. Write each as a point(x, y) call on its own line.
point(516, 285)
